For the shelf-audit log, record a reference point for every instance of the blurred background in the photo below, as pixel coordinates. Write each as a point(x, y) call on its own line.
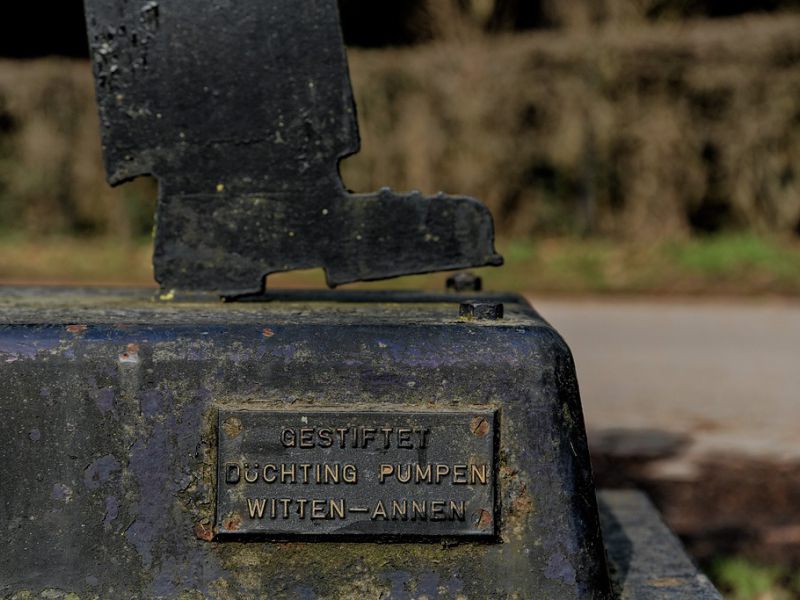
point(642, 162)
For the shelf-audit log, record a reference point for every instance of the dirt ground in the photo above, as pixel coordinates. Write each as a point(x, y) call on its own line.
point(696, 402)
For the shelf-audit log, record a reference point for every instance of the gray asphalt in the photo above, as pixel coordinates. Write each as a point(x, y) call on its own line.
point(726, 373)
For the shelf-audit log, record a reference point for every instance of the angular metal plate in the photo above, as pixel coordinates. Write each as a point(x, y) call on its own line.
point(359, 473)
point(243, 111)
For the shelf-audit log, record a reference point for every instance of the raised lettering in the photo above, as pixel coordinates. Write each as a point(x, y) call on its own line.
point(325, 438)
point(288, 474)
point(349, 474)
point(367, 436)
point(478, 474)
point(288, 438)
point(404, 473)
point(387, 439)
point(318, 509)
point(331, 473)
point(336, 509)
point(255, 506)
point(423, 474)
point(250, 475)
point(457, 510)
point(419, 510)
point(423, 437)
point(342, 431)
point(400, 510)
point(232, 473)
point(404, 438)
point(379, 512)
point(306, 437)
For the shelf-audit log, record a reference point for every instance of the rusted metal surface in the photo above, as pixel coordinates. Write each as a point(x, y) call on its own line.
point(243, 110)
point(109, 450)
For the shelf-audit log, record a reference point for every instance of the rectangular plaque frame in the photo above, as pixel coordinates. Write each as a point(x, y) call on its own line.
point(360, 473)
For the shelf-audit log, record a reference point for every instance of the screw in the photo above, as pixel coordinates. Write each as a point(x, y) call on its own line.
point(481, 311)
point(484, 519)
point(464, 281)
point(204, 531)
point(232, 427)
point(232, 522)
point(479, 426)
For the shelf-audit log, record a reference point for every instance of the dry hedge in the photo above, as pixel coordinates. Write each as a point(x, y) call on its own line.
point(654, 130)
point(51, 176)
point(642, 131)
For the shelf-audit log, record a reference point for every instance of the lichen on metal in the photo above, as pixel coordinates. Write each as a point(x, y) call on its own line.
point(121, 478)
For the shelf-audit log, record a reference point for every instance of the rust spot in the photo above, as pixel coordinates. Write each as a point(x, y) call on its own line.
point(268, 332)
point(131, 355)
point(232, 522)
point(507, 472)
point(76, 328)
point(522, 504)
point(203, 531)
point(479, 426)
point(484, 519)
point(666, 582)
point(286, 545)
point(232, 426)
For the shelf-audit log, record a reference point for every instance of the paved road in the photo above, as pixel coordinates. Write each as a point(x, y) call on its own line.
point(728, 373)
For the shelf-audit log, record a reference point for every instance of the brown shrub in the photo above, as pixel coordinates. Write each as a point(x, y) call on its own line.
point(654, 130)
point(637, 132)
point(51, 177)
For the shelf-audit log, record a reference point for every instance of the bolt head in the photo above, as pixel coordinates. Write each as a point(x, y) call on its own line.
point(481, 311)
point(464, 281)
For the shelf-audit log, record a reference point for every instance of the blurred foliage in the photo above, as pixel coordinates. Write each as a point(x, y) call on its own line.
point(715, 265)
point(664, 131)
point(405, 22)
point(51, 174)
point(55, 27)
point(742, 579)
point(726, 257)
point(661, 131)
point(633, 132)
point(74, 260)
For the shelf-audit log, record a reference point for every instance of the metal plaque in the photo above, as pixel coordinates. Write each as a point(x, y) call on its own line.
point(356, 473)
